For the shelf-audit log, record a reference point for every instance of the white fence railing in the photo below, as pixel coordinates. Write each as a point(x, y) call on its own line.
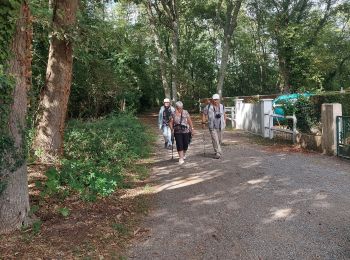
point(231, 115)
point(279, 128)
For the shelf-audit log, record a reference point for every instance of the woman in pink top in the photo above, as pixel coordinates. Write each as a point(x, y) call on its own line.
point(182, 126)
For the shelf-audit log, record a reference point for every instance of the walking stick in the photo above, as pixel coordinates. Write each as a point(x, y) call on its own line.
point(203, 143)
point(172, 146)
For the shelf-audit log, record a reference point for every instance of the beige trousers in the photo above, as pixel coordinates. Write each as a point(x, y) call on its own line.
point(216, 138)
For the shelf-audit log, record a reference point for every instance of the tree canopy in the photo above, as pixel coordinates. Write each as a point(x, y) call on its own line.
point(278, 46)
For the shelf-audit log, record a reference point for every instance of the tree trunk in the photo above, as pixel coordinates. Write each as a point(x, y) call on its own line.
point(172, 22)
point(284, 74)
point(159, 48)
point(230, 26)
point(14, 199)
point(174, 54)
point(283, 54)
point(224, 60)
point(55, 95)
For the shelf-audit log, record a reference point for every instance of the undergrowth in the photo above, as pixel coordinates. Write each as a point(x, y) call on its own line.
point(97, 156)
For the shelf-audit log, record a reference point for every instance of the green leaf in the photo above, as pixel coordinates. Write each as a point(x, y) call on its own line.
point(64, 212)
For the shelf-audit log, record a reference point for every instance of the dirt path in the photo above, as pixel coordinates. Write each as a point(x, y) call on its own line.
point(254, 203)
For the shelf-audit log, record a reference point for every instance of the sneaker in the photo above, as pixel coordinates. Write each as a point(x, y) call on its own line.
point(185, 157)
point(169, 147)
point(217, 156)
point(166, 145)
point(181, 161)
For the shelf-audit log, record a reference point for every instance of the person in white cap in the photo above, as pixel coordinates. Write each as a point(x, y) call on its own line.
point(164, 117)
point(214, 115)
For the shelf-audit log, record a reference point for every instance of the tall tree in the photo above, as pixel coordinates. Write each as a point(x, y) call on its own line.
point(171, 9)
point(14, 198)
point(229, 25)
point(295, 26)
point(152, 20)
point(168, 14)
point(55, 94)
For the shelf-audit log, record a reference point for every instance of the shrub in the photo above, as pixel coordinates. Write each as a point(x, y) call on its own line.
point(97, 154)
point(304, 111)
point(308, 110)
point(342, 98)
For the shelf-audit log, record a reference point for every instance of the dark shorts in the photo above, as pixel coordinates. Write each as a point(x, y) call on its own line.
point(182, 141)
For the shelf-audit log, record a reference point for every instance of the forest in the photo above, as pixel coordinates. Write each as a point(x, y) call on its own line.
point(74, 73)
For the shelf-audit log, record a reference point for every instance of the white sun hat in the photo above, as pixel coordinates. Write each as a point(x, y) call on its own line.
point(166, 100)
point(216, 96)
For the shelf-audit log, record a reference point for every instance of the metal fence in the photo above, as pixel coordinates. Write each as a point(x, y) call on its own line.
point(343, 136)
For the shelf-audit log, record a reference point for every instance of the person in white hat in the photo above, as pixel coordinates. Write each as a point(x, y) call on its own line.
point(214, 115)
point(164, 117)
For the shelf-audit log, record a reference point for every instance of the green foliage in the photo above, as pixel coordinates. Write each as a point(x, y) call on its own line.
point(120, 228)
point(6, 145)
point(9, 11)
point(29, 232)
point(33, 210)
point(6, 90)
point(10, 157)
point(308, 109)
point(97, 154)
point(64, 212)
point(304, 111)
point(52, 184)
point(342, 98)
point(111, 64)
point(41, 28)
point(115, 58)
point(37, 227)
point(141, 171)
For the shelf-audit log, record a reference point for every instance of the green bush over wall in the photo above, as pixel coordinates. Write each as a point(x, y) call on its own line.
point(308, 110)
point(342, 98)
point(304, 111)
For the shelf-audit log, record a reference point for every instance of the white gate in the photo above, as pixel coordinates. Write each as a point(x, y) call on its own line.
point(275, 126)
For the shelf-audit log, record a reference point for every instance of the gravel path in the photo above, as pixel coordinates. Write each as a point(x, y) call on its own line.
point(254, 203)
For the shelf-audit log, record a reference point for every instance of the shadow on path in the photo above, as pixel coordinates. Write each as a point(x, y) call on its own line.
point(251, 204)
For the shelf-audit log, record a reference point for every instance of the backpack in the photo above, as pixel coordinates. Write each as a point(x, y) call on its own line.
point(167, 114)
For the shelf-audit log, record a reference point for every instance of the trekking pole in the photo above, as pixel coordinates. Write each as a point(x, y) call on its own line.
point(172, 146)
point(203, 143)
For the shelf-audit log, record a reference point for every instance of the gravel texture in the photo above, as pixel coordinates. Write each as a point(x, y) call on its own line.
point(253, 203)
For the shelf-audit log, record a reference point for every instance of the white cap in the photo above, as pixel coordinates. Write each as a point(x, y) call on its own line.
point(166, 100)
point(216, 96)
